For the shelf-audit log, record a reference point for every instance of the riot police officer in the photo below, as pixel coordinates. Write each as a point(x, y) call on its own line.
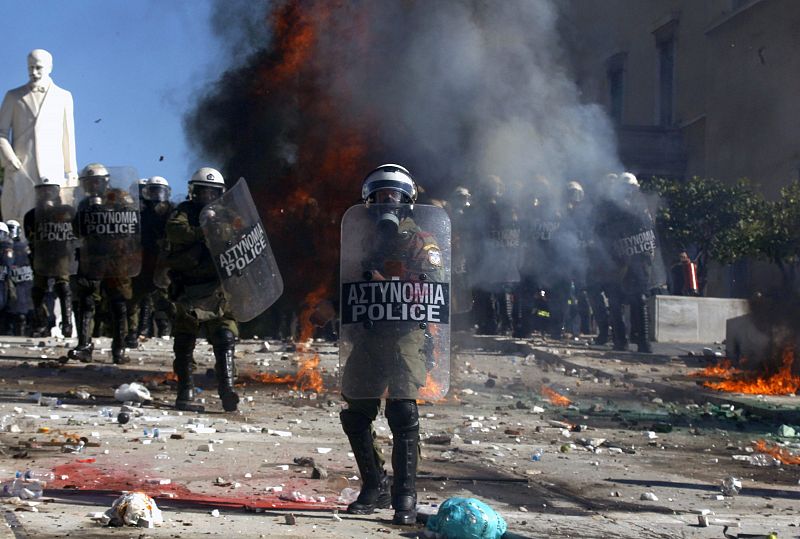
point(48, 227)
point(633, 248)
point(107, 222)
point(388, 358)
point(150, 302)
point(7, 289)
point(199, 299)
point(21, 304)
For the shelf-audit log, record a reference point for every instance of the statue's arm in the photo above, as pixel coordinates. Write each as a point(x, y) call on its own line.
point(6, 150)
point(70, 160)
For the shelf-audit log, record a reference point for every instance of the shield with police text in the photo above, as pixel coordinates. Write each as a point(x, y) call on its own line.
point(395, 302)
point(53, 242)
point(108, 224)
point(21, 275)
point(239, 246)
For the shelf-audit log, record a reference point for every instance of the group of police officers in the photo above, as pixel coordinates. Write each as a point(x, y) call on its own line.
point(153, 266)
point(548, 259)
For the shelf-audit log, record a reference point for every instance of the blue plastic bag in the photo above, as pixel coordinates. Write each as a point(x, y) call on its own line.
point(467, 518)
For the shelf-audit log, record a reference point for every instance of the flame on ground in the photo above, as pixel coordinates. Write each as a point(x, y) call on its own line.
point(161, 378)
point(555, 397)
point(781, 382)
point(431, 391)
point(783, 455)
point(308, 377)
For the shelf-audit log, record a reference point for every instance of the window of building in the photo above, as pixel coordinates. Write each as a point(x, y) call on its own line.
point(666, 82)
point(665, 36)
point(615, 72)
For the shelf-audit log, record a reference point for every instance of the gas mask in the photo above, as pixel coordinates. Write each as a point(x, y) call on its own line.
point(388, 210)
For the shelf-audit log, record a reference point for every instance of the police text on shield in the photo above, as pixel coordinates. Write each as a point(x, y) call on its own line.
point(396, 301)
point(246, 250)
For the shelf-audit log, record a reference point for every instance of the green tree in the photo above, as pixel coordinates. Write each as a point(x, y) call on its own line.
point(779, 237)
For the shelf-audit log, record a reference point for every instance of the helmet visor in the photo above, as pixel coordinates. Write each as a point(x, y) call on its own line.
point(156, 193)
point(94, 186)
point(387, 196)
point(205, 194)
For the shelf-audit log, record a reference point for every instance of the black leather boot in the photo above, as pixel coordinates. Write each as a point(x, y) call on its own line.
point(83, 352)
point(119, 314)
point(403, 418)
point(183, 366)
point(146, 319)
point(224, 348)
point(639, 312)
point(64, 294)
point(374, 481)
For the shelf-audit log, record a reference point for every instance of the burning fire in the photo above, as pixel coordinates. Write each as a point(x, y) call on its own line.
point(161, 378)
point(555, 397)
point(781, 382)
point(431, 391)
point(779, 453)
point(308, 377)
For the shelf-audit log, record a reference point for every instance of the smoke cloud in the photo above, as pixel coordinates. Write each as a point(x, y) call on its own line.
point(319, 93)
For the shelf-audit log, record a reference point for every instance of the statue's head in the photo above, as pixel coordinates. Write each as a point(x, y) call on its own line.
point(40, 65)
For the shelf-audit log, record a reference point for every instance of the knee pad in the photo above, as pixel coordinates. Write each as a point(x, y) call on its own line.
point(224, 338)
point(354, 422)
point(402, 415)
point(183, 342)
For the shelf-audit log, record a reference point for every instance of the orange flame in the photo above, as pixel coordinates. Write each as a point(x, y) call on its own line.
point(779, 453)
point(431, 391)
point(161, 378)
point(555, 397)
point(308, 377)
point(734, 380)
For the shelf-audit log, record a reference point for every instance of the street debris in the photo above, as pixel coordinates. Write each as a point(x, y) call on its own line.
point(133, 392)
point(648, 497)
point(133, 509)
point(731, 486)
point(467, 517)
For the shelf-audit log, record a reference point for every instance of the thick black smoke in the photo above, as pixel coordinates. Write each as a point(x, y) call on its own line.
point(320, 92)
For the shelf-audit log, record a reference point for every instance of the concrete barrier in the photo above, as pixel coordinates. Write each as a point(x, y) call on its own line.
point(690, 319)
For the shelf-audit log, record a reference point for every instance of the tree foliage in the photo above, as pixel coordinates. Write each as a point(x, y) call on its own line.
point(725, 222)
point(779, 237)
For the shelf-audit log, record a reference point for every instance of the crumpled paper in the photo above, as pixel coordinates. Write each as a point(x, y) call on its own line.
point(133, 509)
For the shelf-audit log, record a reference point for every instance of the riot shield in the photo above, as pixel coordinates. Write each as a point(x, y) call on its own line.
point(241, 252)
point(53, 241)
point(22, 276)
point(109, 228)
point(395, 303)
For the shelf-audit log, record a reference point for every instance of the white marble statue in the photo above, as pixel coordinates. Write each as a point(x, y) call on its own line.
point(37, 137)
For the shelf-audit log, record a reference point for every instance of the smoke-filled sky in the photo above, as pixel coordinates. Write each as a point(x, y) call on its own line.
point(453, 89)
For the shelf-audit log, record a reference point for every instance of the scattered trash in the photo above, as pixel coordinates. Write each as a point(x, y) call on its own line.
point(20, 504)
point(134, 509)
point(348, 495)
point(133, 392)
point(536, 456)
point(762, 460)
point(323, 450)
point(214, 513)
point(469, 518)
point(290, 519)
point(648, 497)
point(786, 431)
point(731, 486)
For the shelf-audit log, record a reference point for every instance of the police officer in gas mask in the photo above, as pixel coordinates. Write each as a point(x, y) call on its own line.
point(199, 299)
point(388, 358)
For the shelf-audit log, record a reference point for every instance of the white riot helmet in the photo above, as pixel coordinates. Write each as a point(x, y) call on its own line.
point(206, 185)
point(48, 191)
point(94, 179)
point(13, 228)
point(575, 192)
point(390, 178)
point(629, 180)
point(156, 189)
point(3, 231)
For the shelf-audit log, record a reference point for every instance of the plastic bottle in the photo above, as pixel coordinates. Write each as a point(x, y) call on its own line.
point(536, 456)
point(348, 495)
point(39, 475)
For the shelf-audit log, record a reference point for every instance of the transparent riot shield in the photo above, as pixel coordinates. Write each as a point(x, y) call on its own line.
point(241, 252)
point(395, 302)
point(53, 240)
point(22, 276)
point(109, 227)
